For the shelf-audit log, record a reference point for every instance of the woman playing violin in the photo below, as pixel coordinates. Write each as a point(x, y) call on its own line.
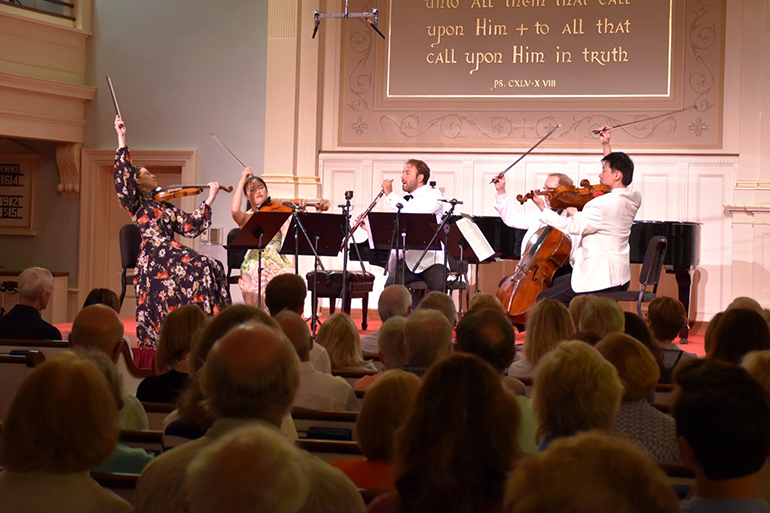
point(169, 274)
point(273, 263)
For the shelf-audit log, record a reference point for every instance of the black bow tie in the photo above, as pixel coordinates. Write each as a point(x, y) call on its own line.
point(408, 197)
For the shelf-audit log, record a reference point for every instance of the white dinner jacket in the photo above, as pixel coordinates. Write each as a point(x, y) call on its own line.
point(425, 200)
point(604, 224)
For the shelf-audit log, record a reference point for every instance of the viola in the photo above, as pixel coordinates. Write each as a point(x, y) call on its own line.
point(288, 205)
point(180, 191)
point(566, 196)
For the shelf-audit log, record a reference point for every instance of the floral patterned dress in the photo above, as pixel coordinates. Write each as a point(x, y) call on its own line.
point(169, 274)
point(273, 264)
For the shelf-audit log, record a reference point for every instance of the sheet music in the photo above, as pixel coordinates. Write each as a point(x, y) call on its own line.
point(479, 244)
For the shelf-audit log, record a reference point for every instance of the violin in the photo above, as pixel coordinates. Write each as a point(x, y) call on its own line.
point(180, 191)
point(288, 205)
point(566, 196)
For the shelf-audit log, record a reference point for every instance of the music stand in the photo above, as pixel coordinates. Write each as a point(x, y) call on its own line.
point(323, 234)
point(256, 234)
point(415, 232)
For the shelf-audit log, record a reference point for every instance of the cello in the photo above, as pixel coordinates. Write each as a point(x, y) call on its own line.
point(542, 257)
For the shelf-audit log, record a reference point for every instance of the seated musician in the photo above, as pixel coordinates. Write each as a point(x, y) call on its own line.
point(420, 199)
point(601, 260)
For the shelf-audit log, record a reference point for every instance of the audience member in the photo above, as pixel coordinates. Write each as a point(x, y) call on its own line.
point(455, 449)
point(723, 426)
point(602, 315)
point(738, 332)
point(577, 304)
point(395, 301)
point(252, 469)
point(390, 342)
point(62, 422)
point(666, 317)
point(317, 390)
point(99, 327)
point(482, 300)
point(194, 417)
point(757, 363)
point(172, 358)
point(23, 321)
point(437, 300)
point(385, 407)
point(576, 390)
point(589, 337)
point(103, 297)
point(637, 419)
point(636, 327)
point(548, 323)
point(249, 377)
point(288, 292)
point(488, 334)
point(708, 337)
point(745, 302)
point(339, 335)
point(427, 339)
point(589, 473)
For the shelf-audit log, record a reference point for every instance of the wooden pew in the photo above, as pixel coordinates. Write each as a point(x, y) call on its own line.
point(324, 424)
point(131, 374)
point(331, 450)
point(14, 368)
point(157, 413)
point(149, 440)
point(352, 375)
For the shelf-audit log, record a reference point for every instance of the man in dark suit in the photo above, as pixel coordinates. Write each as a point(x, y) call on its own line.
point(23, 321)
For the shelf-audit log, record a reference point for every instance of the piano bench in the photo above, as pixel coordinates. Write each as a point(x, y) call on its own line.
point(328, 284)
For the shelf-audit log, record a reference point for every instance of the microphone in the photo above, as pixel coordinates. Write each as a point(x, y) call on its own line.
point(452, 201)
point(399, 206)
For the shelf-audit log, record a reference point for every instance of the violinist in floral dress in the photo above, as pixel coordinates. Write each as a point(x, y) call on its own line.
point(169, 274)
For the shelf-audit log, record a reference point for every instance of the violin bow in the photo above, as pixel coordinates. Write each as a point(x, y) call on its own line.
point(218, 140)
point(114, 99)
point(495, 179)
point(597, 132)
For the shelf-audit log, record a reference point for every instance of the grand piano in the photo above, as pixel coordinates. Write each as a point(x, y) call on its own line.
point(682, 253)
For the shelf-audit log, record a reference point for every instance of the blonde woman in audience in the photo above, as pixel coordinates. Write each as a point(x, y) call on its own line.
point(483, 300)
point(590, 472)
point(386, 404)
point(576, 390)
point(636, 419)
point(757, 363)
point(62, 422)
point(340, 337)
point(577, 304)
point(455, 449)
point(548, 323)
point(602, 315)
point(172, 356)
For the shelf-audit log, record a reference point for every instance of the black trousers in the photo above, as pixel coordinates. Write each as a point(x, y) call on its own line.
point(433, 276)
point(561, 290)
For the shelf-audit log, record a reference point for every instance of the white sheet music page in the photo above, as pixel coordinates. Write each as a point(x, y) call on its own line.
point(479, 244)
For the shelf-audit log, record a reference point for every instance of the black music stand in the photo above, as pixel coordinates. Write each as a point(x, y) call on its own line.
point(461, 250)
point(323, 234)
point(389, 230)
point(256, 234)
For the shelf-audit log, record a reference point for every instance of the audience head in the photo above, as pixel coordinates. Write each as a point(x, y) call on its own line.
point(35, 287)
point(98, 327)
point(339, 335)
point(395, 301)
point(251, 372)
point(637, 328)
point(295, 328)
point(482, 300)
point(386, 402)
point(440, 301)
point(589, 337)
point(757, 363)
point(285, 292)
point(622, 163)
point(488, 334)
point(722, 419)
point(103, 297)
point(548, 323)
point(106, 367)
point(390, 342)
point(602, 315)
point(427, 337)
point(576, 390)
point(745, 302)
point(176, 336)
point(738, 332)
point(637, 369)
point(708, 337)
point(454, 451)
point(589, 473)
point(252, 469)
point(666, 317)
point(62, 419)
point(576, 306)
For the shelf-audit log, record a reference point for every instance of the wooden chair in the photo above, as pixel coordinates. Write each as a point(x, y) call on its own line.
point(14, 369)
point(130, 241)
point(323, 424)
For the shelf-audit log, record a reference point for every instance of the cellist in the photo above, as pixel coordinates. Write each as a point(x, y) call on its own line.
point(601, 260)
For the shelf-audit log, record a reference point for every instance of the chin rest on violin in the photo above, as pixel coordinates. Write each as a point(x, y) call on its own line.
point(566, 196)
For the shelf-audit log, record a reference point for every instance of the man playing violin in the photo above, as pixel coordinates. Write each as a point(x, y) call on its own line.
point(601, 260)
point(420, 199)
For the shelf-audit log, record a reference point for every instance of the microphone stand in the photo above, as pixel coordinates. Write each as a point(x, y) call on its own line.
point(316, 261)
point(441, 227)
point(345, 212)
